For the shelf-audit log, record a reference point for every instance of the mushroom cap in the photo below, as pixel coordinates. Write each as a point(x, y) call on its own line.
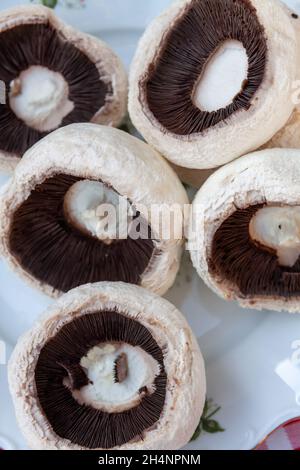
point(264, 177)
point(245, 130)
point(128, 165)
point(106, 61)
point(186, 385)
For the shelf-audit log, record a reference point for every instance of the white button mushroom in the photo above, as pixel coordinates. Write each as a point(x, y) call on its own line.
point(244, 232)
point(85, 196)
point(213, 80)
point(54, 75)
point(147, 379)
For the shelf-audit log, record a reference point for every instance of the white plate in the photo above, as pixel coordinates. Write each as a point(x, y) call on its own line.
point(252, 358)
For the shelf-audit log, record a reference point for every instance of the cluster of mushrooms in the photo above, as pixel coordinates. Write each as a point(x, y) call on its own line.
point(112, 365)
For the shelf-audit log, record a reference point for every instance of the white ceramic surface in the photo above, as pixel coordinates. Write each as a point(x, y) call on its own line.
point(252, 358)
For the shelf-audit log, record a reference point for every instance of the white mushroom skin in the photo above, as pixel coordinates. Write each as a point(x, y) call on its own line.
point(222, 78)
point(184, 365)
point(278, 228)
point(94, 208)
point(39, 97)
point(104, 391)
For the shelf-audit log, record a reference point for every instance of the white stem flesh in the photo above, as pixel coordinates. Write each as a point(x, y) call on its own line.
point(104, 392)
point(278, 228)
point(40, 98)
point(93, 207)
point(223, 77)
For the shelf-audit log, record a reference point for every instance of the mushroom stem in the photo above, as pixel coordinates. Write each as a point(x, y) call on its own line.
point(97, 210)
point(117, 372)
point(40, 98)
point(223, 77)
point(278, 228)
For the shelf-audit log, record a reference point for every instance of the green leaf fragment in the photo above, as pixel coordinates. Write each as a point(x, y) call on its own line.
point(212, 426)
point(197, 433)
point(213, 413)
point(48, 3)
point(207, 424)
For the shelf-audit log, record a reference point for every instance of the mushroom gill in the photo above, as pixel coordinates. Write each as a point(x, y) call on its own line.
point(60, 357)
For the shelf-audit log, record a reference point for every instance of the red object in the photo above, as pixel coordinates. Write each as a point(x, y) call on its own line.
point(285, 437)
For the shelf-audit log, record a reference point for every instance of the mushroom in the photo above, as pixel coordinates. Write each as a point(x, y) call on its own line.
point(212, 79)
point(159, 401)
point(86, 204)
point(244, 234)
point(54, 76)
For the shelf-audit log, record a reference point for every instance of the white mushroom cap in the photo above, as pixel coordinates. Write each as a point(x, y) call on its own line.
point(125, 163)
point(244, 131)
point(269, 177)
point(109, 65)
point(186, 385)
